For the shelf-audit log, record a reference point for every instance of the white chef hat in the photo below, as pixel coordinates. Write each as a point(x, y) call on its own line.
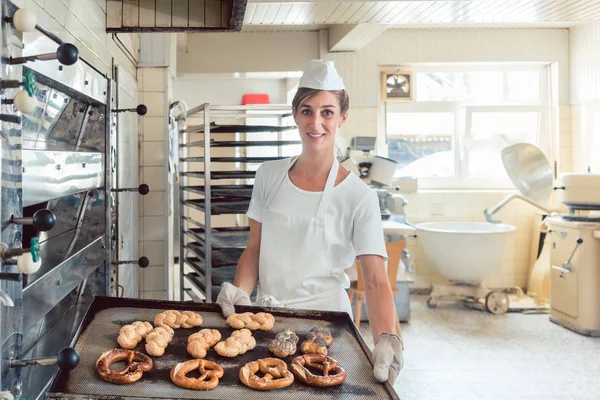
point(321, 75)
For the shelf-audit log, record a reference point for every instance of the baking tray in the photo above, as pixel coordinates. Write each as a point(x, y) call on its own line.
point(236, 191)
point(100, 327)
point(223, 238)
point(221, 205)
point(221, 174)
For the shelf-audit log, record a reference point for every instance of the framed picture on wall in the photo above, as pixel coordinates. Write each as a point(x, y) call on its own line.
point(396, 86)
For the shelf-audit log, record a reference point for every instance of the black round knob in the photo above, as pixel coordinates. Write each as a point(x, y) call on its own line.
point(143, 262)
point(44, 220)
point(67, 358)
point(144, 189)
point(141, 109)
point(579, 240)
point(67, 54)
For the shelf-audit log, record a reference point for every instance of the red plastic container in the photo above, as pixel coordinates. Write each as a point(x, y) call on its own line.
point(255, 98)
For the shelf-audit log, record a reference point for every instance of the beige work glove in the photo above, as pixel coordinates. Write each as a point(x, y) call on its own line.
point(388, 358)
point(229, 296)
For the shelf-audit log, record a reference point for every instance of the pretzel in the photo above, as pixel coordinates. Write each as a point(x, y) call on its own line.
point(130, 335)
point(331, 373)
point(175, 319)
point(210, 372)
point(276, 374)
point(158, 340)
point(200, 342)
point(248, 320)
point(238, 343)
point(284, 343)
point(137, 364)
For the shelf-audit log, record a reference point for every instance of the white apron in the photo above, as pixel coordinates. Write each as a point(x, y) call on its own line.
point(295, 270)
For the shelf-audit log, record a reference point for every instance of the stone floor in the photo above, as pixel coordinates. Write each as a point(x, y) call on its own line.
point(456, 353)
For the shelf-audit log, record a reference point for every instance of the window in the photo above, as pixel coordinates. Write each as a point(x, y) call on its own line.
point(451, 135)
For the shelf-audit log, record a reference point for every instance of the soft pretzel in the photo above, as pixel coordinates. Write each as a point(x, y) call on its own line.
point(284, 343)
point(261, 320)
point(200, 342)
point(137, 364)
point(210, 372)
point(176, 319)
point(130, 335)
point(331, 374)
point(276, 374)
point(158, 340)
point(238, 343)
point(315, 344)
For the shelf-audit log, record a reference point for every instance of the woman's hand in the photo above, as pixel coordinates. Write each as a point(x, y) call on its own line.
point(382, 318)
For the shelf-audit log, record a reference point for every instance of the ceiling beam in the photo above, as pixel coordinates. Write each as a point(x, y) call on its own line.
point(353, 37)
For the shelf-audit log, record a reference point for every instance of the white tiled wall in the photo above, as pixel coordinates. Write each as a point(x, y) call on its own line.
point(83, 23)
point(151, 92)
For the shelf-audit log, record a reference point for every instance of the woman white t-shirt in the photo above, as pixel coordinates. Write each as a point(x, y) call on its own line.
point(352, 220)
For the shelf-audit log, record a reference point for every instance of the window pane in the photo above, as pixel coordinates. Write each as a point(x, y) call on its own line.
point(421, 143)
point(523, 85)
point(491, 132)
point(476, 86)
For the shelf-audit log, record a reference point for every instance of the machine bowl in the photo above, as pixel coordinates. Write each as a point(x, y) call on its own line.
point(464, 252)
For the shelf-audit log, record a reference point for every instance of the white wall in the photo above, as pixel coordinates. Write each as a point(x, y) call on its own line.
point(585, 97)
point(226, 91)
point(361, 75)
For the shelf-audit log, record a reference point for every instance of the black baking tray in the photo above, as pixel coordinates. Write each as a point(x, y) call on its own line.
point(100, 327)
point(216, 191)
point(221, 205)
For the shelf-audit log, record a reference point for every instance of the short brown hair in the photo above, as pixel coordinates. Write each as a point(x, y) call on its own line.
point(305, 93)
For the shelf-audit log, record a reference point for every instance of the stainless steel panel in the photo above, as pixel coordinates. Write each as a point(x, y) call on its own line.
point(37, 378)
point(93, 135)
point(50, 175)
point(39, 124)
point(93, 223)
point(48, 291)
point(79, 77)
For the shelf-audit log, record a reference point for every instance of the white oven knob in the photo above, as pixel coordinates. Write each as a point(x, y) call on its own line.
point(27, 265)
point(24, 20)
point(24, 102)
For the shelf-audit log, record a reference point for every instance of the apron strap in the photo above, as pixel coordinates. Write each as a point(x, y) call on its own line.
point(273, 192)
point(327, 192)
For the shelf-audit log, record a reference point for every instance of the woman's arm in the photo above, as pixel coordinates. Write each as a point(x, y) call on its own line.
point(246, 274)
point(380, 299)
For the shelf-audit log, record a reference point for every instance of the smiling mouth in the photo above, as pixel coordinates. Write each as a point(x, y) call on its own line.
point(316, 135)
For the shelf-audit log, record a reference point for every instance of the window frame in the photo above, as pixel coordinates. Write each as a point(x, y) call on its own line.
point(463, 111)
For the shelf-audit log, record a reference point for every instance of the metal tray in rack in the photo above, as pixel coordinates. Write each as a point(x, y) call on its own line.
point(106, 315)
point(219, 258)
point(221, 205)
point(223, 238)
point(221, 174)
point(231, 191)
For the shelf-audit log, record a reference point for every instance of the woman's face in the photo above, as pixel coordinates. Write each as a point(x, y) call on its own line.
point(318, 119)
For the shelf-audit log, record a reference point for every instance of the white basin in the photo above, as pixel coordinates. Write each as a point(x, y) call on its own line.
point(464, 252)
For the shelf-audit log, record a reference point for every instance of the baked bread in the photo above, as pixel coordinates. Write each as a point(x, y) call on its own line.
point(316, 344)
point(210, 372)
point(176, 319)
point(158, 340)
point(251, 321)
point(330, 373)
point(284, 343)
point(130, 335)
point(200, 342)
point(238, 343)
point(137, 364)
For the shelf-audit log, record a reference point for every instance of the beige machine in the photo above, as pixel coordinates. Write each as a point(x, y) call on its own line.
point(575, 255)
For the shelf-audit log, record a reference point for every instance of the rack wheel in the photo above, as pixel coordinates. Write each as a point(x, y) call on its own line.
point(431, 303)
point(497, 302)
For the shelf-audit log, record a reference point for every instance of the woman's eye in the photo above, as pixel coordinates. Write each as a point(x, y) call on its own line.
point(305, 112)
point(328, 112)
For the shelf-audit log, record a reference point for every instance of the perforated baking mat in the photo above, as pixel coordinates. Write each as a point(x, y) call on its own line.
point(106, 315)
